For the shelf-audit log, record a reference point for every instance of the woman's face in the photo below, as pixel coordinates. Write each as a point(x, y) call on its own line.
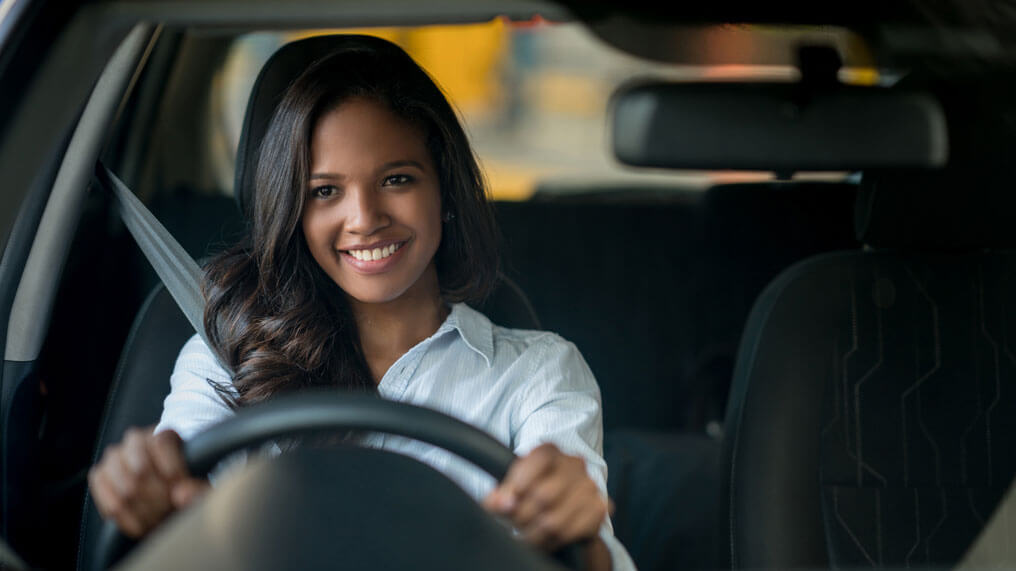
point(372, 217)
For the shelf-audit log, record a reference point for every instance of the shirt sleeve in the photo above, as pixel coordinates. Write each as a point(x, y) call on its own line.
point(193, 404)
point(561, 405)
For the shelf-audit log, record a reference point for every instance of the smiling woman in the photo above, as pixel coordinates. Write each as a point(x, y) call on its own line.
point(327, 165)
point(369, 230)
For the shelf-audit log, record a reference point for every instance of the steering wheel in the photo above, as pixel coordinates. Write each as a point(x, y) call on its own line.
point(318, 411)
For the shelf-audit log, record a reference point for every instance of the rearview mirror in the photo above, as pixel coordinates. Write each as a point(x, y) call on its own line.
point(776, 127)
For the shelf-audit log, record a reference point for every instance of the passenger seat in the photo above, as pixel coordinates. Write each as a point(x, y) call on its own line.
point(872, 418)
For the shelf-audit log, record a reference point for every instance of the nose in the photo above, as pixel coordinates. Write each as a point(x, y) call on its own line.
point(366, 213)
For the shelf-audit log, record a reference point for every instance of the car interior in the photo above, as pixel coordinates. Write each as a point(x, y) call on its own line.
point(796, 370)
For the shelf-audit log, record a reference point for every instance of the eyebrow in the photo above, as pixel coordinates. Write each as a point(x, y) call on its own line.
point(384, 167)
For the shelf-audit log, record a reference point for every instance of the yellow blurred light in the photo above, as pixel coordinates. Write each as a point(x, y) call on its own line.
point(510, 182)
point(463, 59)
point(859, 75)
point(568, 94)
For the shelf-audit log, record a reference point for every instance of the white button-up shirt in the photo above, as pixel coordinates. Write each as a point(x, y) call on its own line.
point(525, 388)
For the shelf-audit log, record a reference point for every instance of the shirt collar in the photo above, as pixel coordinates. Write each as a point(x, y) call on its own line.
point(474, 328)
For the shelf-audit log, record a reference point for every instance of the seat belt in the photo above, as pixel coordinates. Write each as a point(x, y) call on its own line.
point(178, 271)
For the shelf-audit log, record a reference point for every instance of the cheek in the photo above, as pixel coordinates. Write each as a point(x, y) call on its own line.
point(314, 231)
point(435, 220)
point(433, 215)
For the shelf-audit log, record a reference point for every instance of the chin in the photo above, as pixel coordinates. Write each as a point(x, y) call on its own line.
point(374, 295)
point(374, 299)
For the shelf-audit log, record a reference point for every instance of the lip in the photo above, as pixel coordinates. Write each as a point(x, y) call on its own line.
point(373, 266)
point(372, 245)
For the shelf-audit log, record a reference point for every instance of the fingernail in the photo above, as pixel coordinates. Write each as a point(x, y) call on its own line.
point(508, 502)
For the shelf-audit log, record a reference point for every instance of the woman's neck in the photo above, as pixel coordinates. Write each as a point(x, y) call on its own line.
point(388, 330)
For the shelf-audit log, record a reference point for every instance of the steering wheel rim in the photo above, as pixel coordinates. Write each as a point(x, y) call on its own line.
point(316, 411)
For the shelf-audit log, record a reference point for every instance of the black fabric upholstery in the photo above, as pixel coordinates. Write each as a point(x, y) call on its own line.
point(508, 306)
point(655, 294)
point(749, 234)
point(929, 452)
point(666, 491)
point(138, 389)
point(613, 301)
point(872, 416)
point(873, 411)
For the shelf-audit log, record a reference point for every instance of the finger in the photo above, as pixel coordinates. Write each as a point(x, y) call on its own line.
point(502, 501)
point(152, 503)
point(577, 516)
point(530, 468)
point(105, 497)
point(165, 449)
point(187, 490)
point(111, 504)
point(542, 497)
point(546, 529)
point(493, 501)
point(135, 453)
point(127, 489)
point(120, 477)
point(583, 525)
point(129, 524)
point(144, 496)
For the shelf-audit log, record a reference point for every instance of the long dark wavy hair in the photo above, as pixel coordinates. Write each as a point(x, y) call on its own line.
point(273, 316)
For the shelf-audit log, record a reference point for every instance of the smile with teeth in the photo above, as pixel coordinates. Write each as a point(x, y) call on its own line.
point(375, 254)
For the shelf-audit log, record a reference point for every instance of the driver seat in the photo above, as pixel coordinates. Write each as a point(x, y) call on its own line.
point(160, 329)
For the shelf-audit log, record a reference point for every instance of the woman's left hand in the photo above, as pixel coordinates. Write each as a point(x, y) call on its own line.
point(550, 498)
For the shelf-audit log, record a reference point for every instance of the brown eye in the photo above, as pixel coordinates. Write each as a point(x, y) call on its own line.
point(397, 180)
point(324, 191)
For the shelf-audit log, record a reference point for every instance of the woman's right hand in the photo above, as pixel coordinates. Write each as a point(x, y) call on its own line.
point(141, 481)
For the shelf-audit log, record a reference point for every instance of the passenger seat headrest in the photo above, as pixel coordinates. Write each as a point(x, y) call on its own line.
point(969, 204)
point(281, 70)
